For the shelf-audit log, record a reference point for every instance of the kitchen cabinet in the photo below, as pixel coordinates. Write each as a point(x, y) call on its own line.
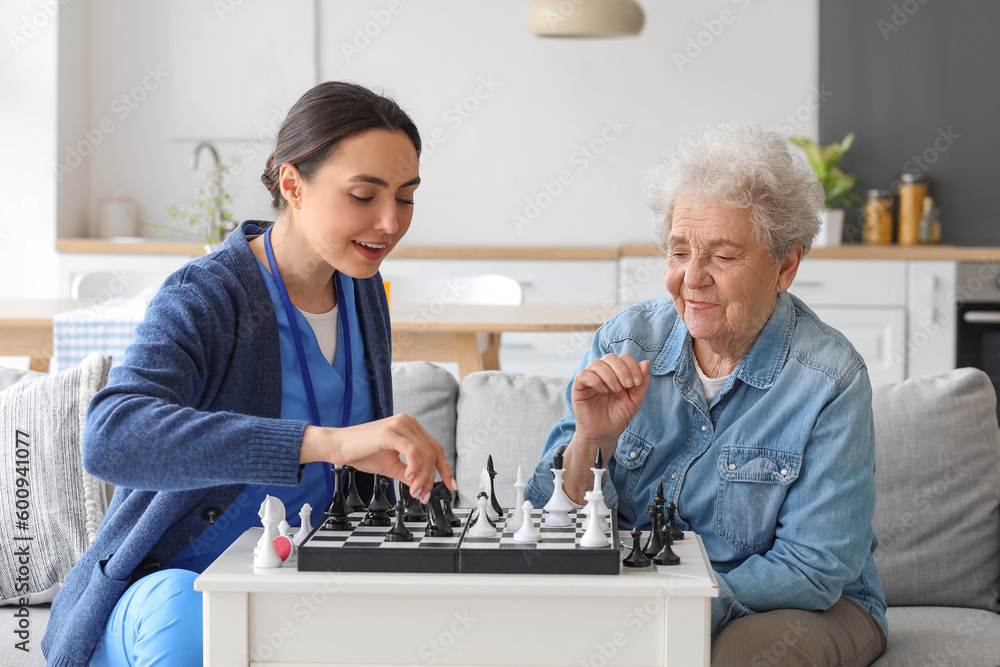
point(930, 329)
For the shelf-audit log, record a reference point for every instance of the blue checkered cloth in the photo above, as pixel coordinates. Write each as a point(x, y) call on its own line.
point(107, 327)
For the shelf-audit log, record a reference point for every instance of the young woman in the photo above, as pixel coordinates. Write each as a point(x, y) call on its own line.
point(255, 368)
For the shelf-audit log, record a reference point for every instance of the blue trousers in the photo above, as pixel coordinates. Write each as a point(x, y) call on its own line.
point(157, 622)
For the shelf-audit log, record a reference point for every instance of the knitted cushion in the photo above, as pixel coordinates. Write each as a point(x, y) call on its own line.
point(52, 507)
point(937, 475)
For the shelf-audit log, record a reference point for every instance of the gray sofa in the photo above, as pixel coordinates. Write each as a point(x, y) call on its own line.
point(938, 512)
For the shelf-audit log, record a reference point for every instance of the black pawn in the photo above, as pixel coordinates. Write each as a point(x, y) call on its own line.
point(378, 508)
point(491, 471)
point(413, 510)
point(438, 526)
point(671, 527)
point(636, 558)
point(399, 532)
point(655, 542)
point(660, 500)
point(453, 520)
point(353, 499)
point(336, 513)
point(666, 556)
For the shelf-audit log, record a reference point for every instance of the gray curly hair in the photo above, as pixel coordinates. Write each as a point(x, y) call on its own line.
point(746, 167)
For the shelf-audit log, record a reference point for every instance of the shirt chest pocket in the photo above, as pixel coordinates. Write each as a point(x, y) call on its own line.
point(753, 482)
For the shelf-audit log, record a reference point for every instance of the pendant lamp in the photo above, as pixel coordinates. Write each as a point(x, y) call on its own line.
point(585, 18)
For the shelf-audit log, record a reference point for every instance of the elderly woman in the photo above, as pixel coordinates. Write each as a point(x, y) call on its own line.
point(754, 415)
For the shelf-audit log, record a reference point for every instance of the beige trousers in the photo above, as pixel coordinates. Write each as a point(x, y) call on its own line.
point(845, 634)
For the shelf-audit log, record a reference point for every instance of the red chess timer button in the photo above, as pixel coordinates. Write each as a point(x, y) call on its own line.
point(283, 545)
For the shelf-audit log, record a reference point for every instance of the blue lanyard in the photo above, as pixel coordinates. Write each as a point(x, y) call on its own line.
point(300, 352)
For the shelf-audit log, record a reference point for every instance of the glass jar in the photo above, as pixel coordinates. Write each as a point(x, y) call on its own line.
point(878, 217)
point(911, 202)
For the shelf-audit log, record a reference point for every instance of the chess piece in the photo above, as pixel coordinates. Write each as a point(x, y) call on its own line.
point(655, 541)
point(671, 527)
point(594, 536)
point(399, 532)
point(353, 499)
point(305, 525)
point(636, 558)
point(413, 511)
point(453, 520)
point(336, 513)
point(268, 557)
point(666, 555)
point(485, 485)
point(527, 532)
point(378, 508)
point(559, 505)
point(593, 507)
point(518, 515)
point(598, 471)
point(277, 508)
point(438, 526)
point(482, 526)
point(491, 471)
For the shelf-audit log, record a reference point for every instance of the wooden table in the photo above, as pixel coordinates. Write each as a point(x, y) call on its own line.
point(428, 332)
point(282, 617)
point(26, 328)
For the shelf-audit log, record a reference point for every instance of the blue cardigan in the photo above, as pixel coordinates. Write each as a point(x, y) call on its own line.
point(189, 419)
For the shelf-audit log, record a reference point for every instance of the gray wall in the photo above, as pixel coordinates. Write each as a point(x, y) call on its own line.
point(918, 78)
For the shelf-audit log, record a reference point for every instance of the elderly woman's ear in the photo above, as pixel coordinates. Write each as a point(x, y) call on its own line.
point(789, 267)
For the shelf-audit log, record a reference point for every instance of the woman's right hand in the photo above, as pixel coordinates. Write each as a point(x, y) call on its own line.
point(606, 395)
point(376, 447)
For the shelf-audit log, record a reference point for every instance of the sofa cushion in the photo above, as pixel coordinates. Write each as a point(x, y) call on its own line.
point(937, 473)
point(508, 416)
point(941, 636)
point(429, 393)
point(54, 507)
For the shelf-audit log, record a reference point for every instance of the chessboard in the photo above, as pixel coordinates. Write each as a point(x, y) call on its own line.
point(558, 552)
point(365, 549)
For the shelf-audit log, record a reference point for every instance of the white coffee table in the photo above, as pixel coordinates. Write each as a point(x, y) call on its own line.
point(651, 617)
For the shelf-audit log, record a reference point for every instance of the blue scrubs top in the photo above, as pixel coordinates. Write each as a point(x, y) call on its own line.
point(329, 387)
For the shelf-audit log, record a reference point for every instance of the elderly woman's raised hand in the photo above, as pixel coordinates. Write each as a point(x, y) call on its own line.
point(606, 396)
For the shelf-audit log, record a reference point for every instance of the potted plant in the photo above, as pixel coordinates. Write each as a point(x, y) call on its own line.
point(837, 185)
point(208, 215)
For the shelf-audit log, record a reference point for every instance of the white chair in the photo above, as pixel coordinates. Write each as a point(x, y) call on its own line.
point(106, 285)
point(485, 289)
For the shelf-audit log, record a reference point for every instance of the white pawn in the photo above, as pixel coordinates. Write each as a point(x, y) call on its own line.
point(268, 556)
point(527, 532)
point(305, 525)
point(594, 536)
point(482, 527)
point(593, 508)
point(559, 505)
point(518, 516)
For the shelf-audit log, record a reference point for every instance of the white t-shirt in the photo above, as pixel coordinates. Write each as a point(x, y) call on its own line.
point(324, 325)
point(709, 386)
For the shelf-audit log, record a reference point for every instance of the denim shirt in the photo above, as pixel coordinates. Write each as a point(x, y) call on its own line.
point(777, 475)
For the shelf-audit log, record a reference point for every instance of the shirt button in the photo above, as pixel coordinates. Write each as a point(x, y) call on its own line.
point(211, 515)
point(682, 379)
point(632, 455)
point(732, 466)
point(703, 428)
point(673, 475)
point(784, 471)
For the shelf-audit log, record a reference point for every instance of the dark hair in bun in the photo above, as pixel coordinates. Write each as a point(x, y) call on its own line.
point(320, 120)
